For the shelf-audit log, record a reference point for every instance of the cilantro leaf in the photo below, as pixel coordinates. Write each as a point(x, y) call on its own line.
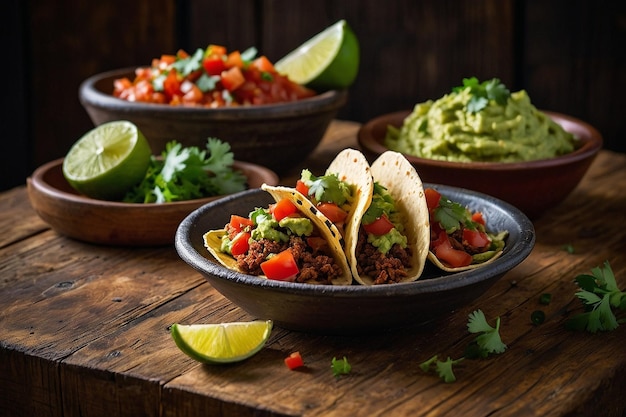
point(327, 188)
point(186, 173)
point(186, 66)
point(340, 367)
point(452, 216)
point(482, 93)
point(382, 203)
point(600, 296)
point(488, 340)
point(443, 368)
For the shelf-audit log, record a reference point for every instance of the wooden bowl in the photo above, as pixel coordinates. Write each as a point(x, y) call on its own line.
point(277, 136)
point(533, 186)
point(353, 309)
point(116, 223)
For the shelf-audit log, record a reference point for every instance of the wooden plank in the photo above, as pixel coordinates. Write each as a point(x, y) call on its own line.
point(17, 206)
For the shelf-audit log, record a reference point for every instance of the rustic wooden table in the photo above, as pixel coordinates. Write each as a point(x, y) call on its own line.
point(84, 329)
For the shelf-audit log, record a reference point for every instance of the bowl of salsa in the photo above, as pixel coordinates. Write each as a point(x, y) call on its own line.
point(238, 97)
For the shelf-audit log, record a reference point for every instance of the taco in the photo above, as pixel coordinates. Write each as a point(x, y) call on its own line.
point(390, 242)
point(283, 241)
point(459, 240)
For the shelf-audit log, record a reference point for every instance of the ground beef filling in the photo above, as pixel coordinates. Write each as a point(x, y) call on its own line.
point(386, 268)
point(314, 265)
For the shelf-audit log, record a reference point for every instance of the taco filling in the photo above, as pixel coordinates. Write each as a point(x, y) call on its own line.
point(382, 252)
point(278, 242)
point(458, 237)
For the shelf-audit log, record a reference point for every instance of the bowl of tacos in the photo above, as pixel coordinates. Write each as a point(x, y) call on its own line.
point(356, 248)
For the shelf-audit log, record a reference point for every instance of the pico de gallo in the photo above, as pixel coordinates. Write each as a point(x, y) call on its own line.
point(458, 237)
point(211, 77)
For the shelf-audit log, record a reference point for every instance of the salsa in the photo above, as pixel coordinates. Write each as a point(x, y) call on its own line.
point(211, 77)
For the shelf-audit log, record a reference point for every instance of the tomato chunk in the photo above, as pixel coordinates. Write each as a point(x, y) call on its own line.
point(283, 208)
point(302, 188)
point(239, 223)
point(240, 244)
point(294, 361)
point(476, 238)
point(232, 78)
point(432, 198)
point(281, 266)
point(333, 212)
point(380, 226)
point(478, 218)
point(447, 254)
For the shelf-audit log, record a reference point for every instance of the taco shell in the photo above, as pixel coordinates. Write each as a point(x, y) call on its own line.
point(394, 172)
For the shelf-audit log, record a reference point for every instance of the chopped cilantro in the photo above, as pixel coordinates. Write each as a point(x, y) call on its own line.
point(340, 367)
point(482, 93)
point(569, 248)
point(382, 203)
point(443, 368)
point(600, 296)
point(186, 173)
point(186, 66)
point(327, 188)
point(249, 54)
point(453, 216)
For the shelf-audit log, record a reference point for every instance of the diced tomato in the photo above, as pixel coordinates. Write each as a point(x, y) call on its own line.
point(167, 59)
point(234, 60)
point(281, 266)
point(302, 188)
point(232, 78)
point(240, 244)
point(476, 238)
point(316, 243)
point(171, 85)
point(217, 50)
point(380, 226)
point(432, 198)
point(294, 361)
point(191, 92)
point(239, 223)
point(448, 255)
point(263, 64)
point(282, 209)
point(333, 212)
point(478, 218)
point(214, 65)
point(182, 54)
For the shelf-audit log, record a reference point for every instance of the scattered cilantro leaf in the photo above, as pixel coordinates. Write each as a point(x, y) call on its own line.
point(482, 93)
point(443, 368)
point(340, 367)
point(186, 173)
point(489, 338)
point(569, 248)
point(186, 66)
point(537, 317)
point(249, 54)
point(600, 297)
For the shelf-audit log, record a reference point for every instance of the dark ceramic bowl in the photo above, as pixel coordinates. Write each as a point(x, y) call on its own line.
point(533, 187)
point(354, 308)
point(277, 136)
point(111, 222)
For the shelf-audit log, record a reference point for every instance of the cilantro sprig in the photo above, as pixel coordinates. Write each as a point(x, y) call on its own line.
point(186, 173)
point(481, 93)
point(340, 367)
point(326, 188)
point(453, 216)
point(601, 298)
point(487, 341)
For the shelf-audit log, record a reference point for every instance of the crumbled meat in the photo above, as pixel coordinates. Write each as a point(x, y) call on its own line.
point(317, 266)
point(382, 268)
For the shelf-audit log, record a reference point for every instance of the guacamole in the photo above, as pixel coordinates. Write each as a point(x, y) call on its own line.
point(506, 129)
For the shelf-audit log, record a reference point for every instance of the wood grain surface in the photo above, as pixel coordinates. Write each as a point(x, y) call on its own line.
point(84, 329)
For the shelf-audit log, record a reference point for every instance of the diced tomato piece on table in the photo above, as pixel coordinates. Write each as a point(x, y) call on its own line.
point(294, 361)
point(281, 267)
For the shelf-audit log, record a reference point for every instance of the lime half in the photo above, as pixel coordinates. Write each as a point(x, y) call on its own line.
point(223, 342)
point(329, 60)
point(108, 160)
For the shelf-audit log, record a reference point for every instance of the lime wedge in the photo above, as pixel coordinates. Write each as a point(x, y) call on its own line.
point(223, 342)
point(108, 160)
point(329, 60)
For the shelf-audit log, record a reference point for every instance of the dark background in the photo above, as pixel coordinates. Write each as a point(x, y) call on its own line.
point(569, 55)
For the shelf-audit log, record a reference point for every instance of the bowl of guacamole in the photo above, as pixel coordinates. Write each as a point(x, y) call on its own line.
point(483, 137)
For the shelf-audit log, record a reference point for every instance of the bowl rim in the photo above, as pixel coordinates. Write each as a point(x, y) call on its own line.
point(90, 95)
point(513, 256)
point(591, 145)
point(37, 182)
